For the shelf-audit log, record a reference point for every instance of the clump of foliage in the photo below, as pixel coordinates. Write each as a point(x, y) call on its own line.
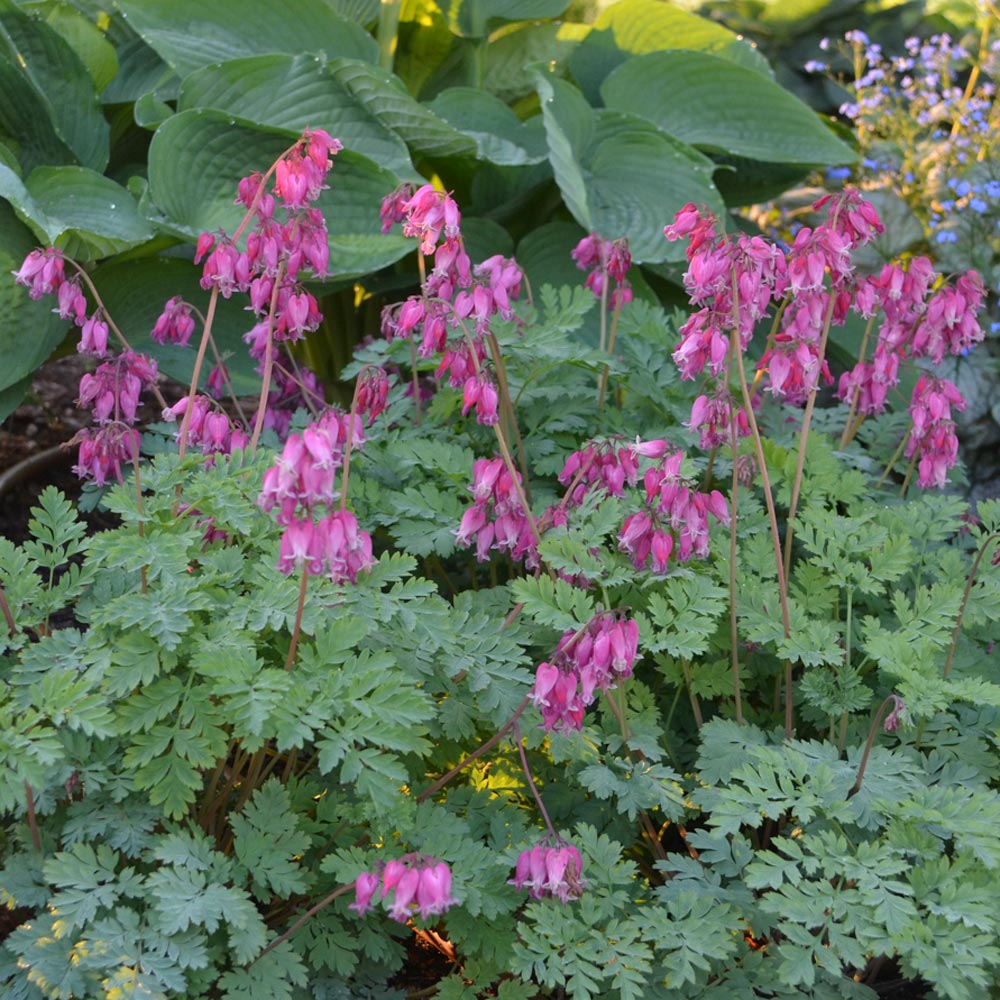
point(614, 673)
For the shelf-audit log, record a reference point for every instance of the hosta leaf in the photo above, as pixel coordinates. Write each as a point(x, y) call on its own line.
point(634, 27)
point(619, 174)
point(140, 71)
point(500, 136)
point(85, 38)
point(38, 67)
point(189, 34)
point(292, 92)
point(76, 209)
point(509, 55)
point(387, 99)
point(476, 18)
point(712, 103)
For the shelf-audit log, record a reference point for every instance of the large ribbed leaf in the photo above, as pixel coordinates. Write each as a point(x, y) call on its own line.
point(619, 174)
point(189, 34)
point(140, 71)
point(501, 137)
point(41, 70)
point(291, 92)
point(84, 38)
point(386, 98)
point(30, 331)
point(509, 56)
point(634, 27)
point(219, 150)
point(78, 210)
point(477, 18)
point(714, 104)
point(25, 125)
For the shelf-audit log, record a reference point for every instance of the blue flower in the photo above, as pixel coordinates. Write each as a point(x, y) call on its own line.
point(838, 173)
point(978, 205)
point(947, 236)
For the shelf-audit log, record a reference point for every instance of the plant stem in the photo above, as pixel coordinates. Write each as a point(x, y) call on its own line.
point(388, 33)
point(965, 600)
point(508, 405)
point(199, 360)
point(143, 570)
point(531, 783)
point(8, 615)
point(733, 629)
point(477, 753)
point(112, 325)
point(308, 915)
point(872, 733)
point(36, 838)
point(800, 463)
point(695, 704)
point(849, 431)
point(611, 346)
point(303, 586)
point(265, 386)
point(504, 450)
point(736, 348)
point(894, 459)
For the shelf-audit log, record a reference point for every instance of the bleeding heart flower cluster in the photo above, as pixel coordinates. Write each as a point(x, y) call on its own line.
point(605, 259)
point(592, 659)
point(932, 437)
point(920, 320)
point(113, 389)
point(550, 871)
point(420, 885)
point(44, 273)
point(607, 464)
point(736, 279)
point(269, 268)
point(497, 520)
point(209, 429)
point(300, 485)
point(713, 417)
point(672, 508)
point(454, 295)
